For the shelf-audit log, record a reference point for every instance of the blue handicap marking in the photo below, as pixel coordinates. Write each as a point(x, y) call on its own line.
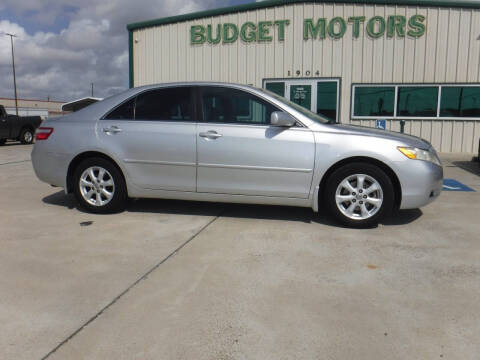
point(381, 124)
point(454, 185)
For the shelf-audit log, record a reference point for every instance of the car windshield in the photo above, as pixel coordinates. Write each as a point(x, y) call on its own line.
point(311, 115)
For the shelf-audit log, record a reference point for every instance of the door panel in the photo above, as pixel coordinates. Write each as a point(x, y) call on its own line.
point(4, 128)
point(239, 152)
point(255, 160)
point(156, 155)
point(158, 146)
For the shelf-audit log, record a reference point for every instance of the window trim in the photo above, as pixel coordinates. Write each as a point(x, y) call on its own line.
point(397, 86)
point(193, 106)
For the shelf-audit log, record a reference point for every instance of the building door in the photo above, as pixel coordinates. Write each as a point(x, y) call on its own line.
point(321, 96)
point(301, 94)
point(239, 152)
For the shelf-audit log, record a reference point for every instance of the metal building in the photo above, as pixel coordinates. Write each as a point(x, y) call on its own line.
point(29, 107)
point(410, 63)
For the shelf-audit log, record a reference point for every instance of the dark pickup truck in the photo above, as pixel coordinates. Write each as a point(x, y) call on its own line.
point(15, 127)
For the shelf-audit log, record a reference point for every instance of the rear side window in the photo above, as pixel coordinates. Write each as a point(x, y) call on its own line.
point(224, 105)
point(168, 104)
point(123, 112)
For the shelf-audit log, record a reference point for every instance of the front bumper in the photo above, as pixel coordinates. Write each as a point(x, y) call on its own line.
point(421, 183)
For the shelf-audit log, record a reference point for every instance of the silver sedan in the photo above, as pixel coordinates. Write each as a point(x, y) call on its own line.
point(232, 143)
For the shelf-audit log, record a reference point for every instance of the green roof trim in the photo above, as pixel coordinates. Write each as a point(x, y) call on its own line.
point(472, 4)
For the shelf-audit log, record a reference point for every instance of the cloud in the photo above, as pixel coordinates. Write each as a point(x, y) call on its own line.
point(91, 48)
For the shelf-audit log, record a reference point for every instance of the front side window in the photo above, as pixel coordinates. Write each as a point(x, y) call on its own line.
point(374, 101)
point(168, 104)
point(417, 101)
point(460, 101)
point(224, 105)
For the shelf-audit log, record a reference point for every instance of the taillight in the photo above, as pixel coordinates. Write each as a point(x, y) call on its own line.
point(43, 133)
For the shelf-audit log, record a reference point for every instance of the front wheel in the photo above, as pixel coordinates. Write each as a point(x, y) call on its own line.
point(99, 186)
point(359, 195)
point(3, 141)
point(26, 136)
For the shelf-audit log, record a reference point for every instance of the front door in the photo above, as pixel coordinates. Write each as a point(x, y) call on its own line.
point(240, 153)
point(301, 94)
point(154, 136)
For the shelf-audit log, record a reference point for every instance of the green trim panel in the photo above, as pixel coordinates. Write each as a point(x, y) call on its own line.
point(472, 4)
point(130, 59)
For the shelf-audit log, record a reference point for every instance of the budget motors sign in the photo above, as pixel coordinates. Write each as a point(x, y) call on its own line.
point(313, 29)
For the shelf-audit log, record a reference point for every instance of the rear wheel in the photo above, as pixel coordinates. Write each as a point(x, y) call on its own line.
point(3, 141)
point(99, 186)
point(359, 195)
point(26, 136)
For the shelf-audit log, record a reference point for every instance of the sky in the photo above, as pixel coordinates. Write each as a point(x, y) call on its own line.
point(62, 46)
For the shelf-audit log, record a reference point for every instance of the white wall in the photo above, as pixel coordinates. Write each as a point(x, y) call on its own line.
point(449, 52)
point(28, 112)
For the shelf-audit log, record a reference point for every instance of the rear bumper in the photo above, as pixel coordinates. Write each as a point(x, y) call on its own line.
point(50, 167)
point(421, 183)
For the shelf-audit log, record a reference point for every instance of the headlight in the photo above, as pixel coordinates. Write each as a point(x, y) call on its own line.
point(420, 154)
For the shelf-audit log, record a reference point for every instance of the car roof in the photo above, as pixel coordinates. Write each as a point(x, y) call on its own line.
point(193, 83)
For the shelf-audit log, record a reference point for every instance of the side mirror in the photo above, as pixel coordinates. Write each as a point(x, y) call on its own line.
point(280, 118)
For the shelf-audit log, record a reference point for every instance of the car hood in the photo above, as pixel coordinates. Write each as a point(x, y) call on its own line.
point(408, 140)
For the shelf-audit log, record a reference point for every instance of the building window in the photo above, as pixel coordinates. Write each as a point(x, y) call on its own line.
point(416, 101)
point(276, 87)
point(327, 99)
point(374, 101)
point(460, 101)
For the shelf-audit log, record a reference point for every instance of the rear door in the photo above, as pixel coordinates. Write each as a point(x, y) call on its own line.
point(240, 153)
point(154, 136)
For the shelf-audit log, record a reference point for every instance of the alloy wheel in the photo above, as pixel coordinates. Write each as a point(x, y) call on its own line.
point(97, 186)
point(359, 197)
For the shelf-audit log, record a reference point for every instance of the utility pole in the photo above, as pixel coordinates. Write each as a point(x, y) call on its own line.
point(14, 77)
point(92, 89)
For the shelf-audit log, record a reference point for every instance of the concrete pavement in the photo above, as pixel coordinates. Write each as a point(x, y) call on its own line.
point(182, 280)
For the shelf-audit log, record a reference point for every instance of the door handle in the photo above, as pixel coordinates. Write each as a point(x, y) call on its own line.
point(212, 135)
point(112, 130)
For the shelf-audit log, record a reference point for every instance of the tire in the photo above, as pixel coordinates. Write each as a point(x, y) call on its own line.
point(3, 141)
point(113, 183)
point(359, 209)
point(26, 136)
